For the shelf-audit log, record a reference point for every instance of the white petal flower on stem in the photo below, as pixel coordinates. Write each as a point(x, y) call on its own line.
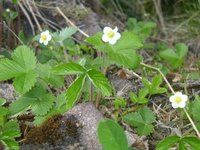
point(111, 35)
point(178, 100)
point(45, 37)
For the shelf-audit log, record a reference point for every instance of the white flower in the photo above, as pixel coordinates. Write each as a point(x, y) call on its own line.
point(178, 100)
point(45, 37)
point(7, 10)
point(110, 35)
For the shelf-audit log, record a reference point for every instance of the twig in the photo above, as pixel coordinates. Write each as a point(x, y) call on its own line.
point(71, 23)
point(194, 15)
point(34, 17)
point(4, 23)
point(159, 13)
point(27, 16)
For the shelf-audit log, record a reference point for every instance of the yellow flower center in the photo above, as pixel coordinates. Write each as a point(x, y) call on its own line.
point(44, 37)
point(178, 99)
point(111, 34)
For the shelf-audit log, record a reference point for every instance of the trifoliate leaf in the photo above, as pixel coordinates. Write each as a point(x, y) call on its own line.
point(142, 120)
point(99, 81)
point(68, 68)
point(111, 136)
point(74, 90)
point(21, 67)
point(167, 143)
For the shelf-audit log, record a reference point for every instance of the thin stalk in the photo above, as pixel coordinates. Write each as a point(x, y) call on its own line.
point(192, 122)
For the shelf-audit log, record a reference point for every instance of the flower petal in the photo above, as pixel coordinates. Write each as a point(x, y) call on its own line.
point(182, 104)
point(174, 105)
point(112, 41)
point(171, 99)
point(184, 98)
point(41, 40)
point(45, 42)
point(48, 37)
point(115, 29)
point(106, 30)
point(105, 38)
point(117, 35)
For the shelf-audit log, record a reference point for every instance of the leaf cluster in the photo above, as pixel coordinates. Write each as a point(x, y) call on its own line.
point(142, 120)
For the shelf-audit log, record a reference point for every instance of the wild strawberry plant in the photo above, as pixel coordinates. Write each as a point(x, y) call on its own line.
point(35, 73)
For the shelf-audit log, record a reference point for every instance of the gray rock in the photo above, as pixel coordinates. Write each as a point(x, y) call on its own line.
point(7, 91)
point(89, 117)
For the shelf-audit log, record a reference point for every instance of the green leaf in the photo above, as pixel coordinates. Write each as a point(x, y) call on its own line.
point(43, 104)
point(24, 57)
point(20, 105)
point(11, 143)
point(2, 101)
point(25, 81)
point(44, 71)
point(22, 68)
point(194, 142)
point(153, 88)
point(181, 146)
point(167, 143)
point(68, 68)
point(11, 129)
point(142, 120)
point(133, 97)
point(97, 42)
point(111, 136)
point(125, 57)
point(64, 34)
point(9, 69)
point(156, 81)
point(194, 109)
point(181, 50)
point(143, 93)
point(124, 51)
point(3, 111)
point(74, 90)
point(175, 57)
point(146, 83)
point(128, 41)
point(99, 81)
